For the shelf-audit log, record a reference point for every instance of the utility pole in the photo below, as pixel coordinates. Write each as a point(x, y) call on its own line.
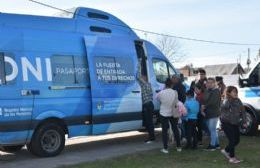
point(258, 56)
point(238, 63)
point(248, 62)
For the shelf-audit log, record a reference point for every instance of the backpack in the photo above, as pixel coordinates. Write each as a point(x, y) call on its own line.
point(182, 109)
point(175, 109)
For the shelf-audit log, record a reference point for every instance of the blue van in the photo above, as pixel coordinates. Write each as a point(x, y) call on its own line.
point(71, 76)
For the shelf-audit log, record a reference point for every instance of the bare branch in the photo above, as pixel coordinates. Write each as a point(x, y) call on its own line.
point(171, 48)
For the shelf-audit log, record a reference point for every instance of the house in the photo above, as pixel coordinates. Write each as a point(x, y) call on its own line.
point(187, 70)
point(214, 70)
point(224, 69)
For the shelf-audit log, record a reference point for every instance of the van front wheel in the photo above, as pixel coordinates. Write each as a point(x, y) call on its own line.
point(48, 140)
point(252, 125)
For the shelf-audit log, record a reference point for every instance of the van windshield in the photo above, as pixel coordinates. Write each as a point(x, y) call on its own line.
point(254, 77)
point(246, 76)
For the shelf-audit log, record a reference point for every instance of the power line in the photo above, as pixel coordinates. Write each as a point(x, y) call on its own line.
point(228, 53)
point(151, 32)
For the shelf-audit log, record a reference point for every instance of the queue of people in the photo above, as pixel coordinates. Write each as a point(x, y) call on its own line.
point(205, 103)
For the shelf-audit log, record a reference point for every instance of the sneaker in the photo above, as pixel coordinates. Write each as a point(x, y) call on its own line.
point(164, 151)
point(148, 141)
point(226, 154)
point(217, 147)
point(200, 143)
point(234, 160)
point(179, 149)
point(210, 148)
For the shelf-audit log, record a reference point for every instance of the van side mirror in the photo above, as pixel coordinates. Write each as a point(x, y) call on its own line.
point(243, 82)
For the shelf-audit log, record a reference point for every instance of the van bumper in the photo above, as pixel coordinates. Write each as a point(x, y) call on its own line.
point(15, 138)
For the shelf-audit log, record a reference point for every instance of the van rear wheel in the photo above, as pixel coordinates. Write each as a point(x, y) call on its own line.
point(48, 140)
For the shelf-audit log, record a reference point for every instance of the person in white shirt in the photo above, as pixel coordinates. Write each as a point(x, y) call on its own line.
point(169, 113)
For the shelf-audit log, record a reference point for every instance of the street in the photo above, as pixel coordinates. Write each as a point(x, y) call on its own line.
point(84, 149)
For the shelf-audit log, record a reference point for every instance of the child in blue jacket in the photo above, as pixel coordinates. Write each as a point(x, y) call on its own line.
point(192, 106)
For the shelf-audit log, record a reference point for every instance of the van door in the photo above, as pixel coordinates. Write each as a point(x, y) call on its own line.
point(16, 102)
point(142, 55)
point(116, 95)
point(159, 70)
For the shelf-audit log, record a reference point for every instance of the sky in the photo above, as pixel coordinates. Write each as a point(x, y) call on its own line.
point(217, 20)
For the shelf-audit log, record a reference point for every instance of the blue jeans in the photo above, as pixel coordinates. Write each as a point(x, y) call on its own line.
point(212, 126)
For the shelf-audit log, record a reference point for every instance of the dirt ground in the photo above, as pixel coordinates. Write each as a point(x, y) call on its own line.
point(85, 149)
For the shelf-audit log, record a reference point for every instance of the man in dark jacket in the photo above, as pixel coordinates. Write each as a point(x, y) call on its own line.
point(211, 110)
point(221, 85)
point(179, 87)
point(202, 79)
point(201, 82)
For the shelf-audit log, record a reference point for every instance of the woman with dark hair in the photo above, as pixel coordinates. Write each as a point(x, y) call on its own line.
point(169, 113)
point(231, 111)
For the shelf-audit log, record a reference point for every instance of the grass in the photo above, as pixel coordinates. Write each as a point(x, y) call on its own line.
point(248, 150)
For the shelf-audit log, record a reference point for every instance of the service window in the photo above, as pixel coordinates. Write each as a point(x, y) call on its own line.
point(69, 70)
point(114, 69)
point(160, 70)
point(171, 71)
point(125, 70)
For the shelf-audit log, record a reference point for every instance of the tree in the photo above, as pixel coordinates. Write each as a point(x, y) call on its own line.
point(171, 48)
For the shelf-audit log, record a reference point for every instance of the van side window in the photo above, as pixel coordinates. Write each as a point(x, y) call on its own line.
point(254, 78)
point(125, 70)
point(139, 47)
point(97, 16)
point(6, 69)
point(68, 70)
point(2, 70)
point(114, 69)
point(171, 71)
point(160, 70)
point(81, 70)
point(99, 29)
